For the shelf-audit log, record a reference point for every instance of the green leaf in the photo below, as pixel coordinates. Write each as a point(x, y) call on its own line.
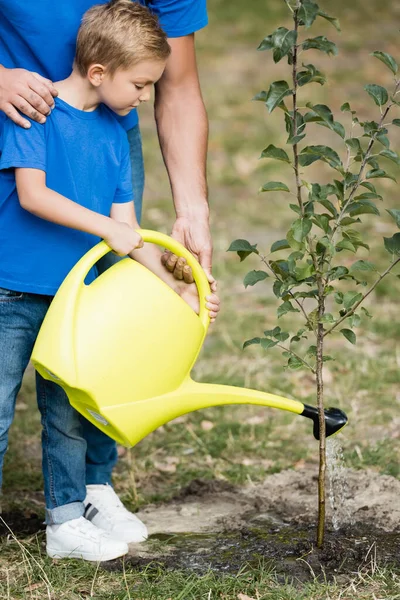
point(272, 332)
point(378, 94)
point(304, 272)
point(267, 343)
point(243, 248)
point(366, 313)
point(347, 108)
point(310, 75)
point(363, 207)
point(383, 139)
point(325, 113)
point(284, 308)
point(354, 144)
point(322, 221)
point(261, 96)
point(253, 277)
point(349, 335)
point(379, 174)
point(354, 320)
point(273, 152)
point(332, 20)
point(362, 265)
point(301, 228)
point(310, 154)
point(284, 41)
point(276, 288)
point(267, 43)
point(292, 242)
point(279, 245)
point(295, 363)
point(320, 43)
point(396, 122)
point(276, 93)
point(255, 340)
point(351, 298)
point(274, 186)
point(308, 12)
point(296, 139)
point(369, 186)
point(387, 59)
point(368, 196)
point(280, 41)
point(395, 214)
point(345, 245)
point(391, 155)
point(355, 237)
point(392, 244)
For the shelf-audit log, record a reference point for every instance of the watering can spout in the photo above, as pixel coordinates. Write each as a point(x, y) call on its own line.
point(203, 395)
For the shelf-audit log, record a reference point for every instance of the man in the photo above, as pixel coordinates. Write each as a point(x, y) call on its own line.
point(37, 45)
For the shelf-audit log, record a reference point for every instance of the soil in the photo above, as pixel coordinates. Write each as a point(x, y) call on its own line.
point(213, 524)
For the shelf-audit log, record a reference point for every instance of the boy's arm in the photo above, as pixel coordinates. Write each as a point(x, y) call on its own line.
point(35, 197)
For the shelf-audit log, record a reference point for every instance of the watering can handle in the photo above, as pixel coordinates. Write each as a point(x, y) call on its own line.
point(154, 237)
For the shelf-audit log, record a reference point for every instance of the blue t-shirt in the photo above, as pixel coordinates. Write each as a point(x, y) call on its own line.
point(85, 156)
point(40, 35)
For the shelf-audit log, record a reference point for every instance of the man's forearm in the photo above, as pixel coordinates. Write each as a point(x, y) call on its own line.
point(182, 127)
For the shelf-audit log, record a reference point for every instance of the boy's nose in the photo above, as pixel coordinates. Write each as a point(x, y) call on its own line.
point(145, 96)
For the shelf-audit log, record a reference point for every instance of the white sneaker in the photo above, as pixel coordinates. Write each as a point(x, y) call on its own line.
point(105, 510)
point(78, 538)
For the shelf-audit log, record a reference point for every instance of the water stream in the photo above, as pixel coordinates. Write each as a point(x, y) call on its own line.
point(339, 496)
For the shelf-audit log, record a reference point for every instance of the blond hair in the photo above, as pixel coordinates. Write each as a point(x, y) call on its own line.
point(119, 34)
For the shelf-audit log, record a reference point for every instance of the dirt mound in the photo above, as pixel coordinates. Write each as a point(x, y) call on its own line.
point(286, 497)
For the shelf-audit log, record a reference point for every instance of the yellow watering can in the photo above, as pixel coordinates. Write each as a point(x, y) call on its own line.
point(123, 347)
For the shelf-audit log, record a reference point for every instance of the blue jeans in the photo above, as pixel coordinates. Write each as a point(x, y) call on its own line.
point(63, 444)
point(74, 452)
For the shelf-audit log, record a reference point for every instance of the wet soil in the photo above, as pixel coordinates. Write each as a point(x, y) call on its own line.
point(215, 525)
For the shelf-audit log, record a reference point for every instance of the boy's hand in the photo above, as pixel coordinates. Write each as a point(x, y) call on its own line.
point(177, 266)
point(122, 238)
point(27, 92)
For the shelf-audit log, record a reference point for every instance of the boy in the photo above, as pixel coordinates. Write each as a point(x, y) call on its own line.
point(64, 185)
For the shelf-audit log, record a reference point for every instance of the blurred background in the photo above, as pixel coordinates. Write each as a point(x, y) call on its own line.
point(242, 444)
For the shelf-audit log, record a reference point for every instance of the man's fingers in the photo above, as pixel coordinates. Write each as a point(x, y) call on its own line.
point(178, 271)
point(48, 88)
point(14, 115)
point(28, 110)
point(164, 257)
point(187, 274)
point(171, 262)
point(38, 104)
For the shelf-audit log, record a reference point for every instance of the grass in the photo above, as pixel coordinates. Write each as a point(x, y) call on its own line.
point(242, 443)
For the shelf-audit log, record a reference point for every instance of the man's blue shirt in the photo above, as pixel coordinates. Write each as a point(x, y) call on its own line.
point(40, 35)
point(85, 156)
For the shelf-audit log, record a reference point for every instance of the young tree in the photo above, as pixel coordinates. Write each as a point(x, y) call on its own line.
point(311, 280)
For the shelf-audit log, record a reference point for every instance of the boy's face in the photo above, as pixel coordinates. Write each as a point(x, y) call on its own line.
point(127, 88)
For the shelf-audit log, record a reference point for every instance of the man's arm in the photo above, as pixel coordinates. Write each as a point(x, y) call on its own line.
point(183, 133)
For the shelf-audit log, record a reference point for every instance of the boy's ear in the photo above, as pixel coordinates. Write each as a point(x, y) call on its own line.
point(96, 74)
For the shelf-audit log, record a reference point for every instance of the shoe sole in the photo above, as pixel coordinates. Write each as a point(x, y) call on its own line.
point(84, 555)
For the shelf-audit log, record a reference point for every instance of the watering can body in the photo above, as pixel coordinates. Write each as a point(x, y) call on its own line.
point(123, 347)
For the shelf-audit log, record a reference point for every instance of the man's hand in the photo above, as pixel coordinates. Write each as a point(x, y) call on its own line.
point(195, 236)
point(27, 92)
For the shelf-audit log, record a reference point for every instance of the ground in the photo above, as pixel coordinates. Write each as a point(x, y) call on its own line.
point(240, 481)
